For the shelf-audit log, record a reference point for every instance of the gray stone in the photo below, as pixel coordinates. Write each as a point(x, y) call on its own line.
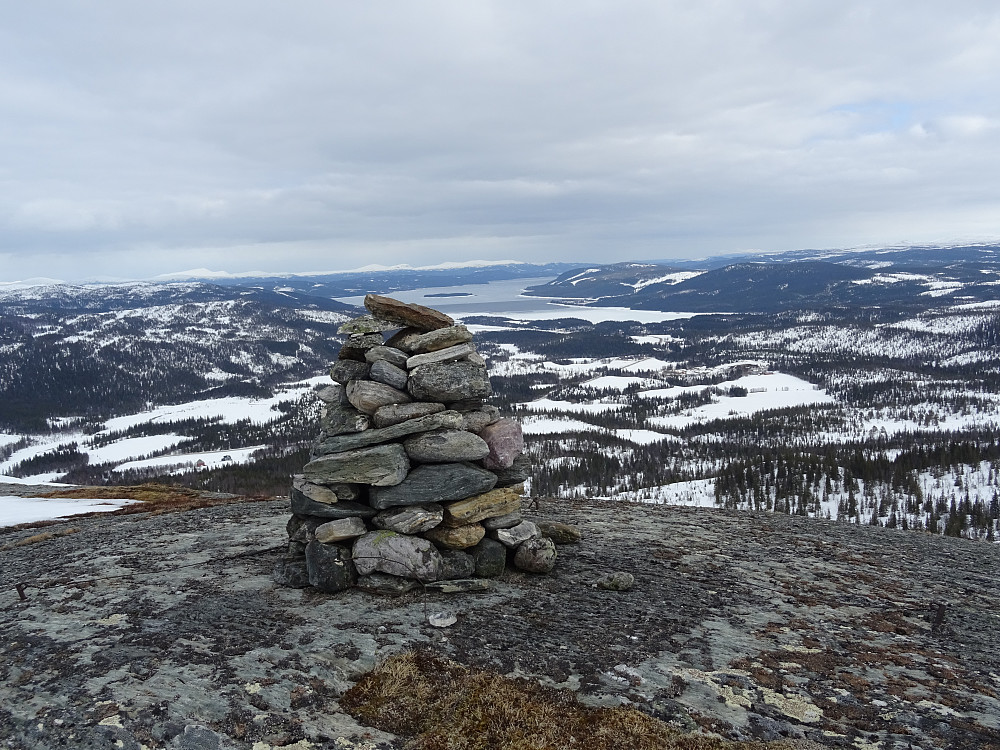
point(366, 324)
point(502, 522)
point(316, 492)
point(301, 529)
point(383, 583)
point(380, 465)
point(388, 373)
point(434, 483)
point(330, 567)
point(466, 404)
point(477, 419)
point(398, 555)
point(410, 519)
point(516, 535)
point(345, 370)
point(303, 506)
point(506, 443)
point(331, 394)
point(517, 473)
point(560, 533)
point(291, 572)
point(403, 339)
point(490, 558)
point(367, 396)
point(341, 443)
point(406, 314)
point(440, 446)
point(451, 381)
point(386, 416)
point(466, 586)
point(451, 354)
point(359, 343)
point(457, 564)
point(337, 419)
point(456, 537)
point(477, 359)
point(618, 581)
point(193, 737)
point(340, 529)
point(441, 338)
point(296, 549)
point(536, 556)
point(389, 354)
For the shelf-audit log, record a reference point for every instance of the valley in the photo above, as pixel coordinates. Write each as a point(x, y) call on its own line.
point(878, 409)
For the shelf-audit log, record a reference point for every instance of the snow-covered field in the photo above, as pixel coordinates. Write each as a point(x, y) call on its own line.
point(133, 452)
point(17, 510)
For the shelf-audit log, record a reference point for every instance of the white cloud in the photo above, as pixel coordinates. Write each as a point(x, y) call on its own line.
point(443, 130)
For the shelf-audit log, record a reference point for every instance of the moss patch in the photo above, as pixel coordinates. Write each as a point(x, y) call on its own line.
point(442, 705)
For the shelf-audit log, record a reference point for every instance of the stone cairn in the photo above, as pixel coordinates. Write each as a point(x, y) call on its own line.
point(413, 478)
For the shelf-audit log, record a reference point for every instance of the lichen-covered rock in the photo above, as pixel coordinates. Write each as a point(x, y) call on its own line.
point(441, 338)
point(477, 419)
point(406, 314)
point(617, 581)
point(432, 483)
point(462, 586)
point(340, 443)
point(486, 505)
point(383, 583)
point(490, 558)
point(442, 446)
point(366, 324)
point(560, 533)
point(330, 394)
point(293, 573)
point(457, 564)
point(386, 416)
point(338, 419)
point(389, 354)
point(403, 339)
point(410, 519)
point(517, 473)
point(340, 529)
point(330, 567)
point(506, 443)
point(379, 466)
point(450, 354)
point(398, 555)
point(456, 537)
point(388, 373)
point(536, 556)
point(345, 370)
point(303, 506)
point(449, 382)
point(367, 395)
point(358, 344)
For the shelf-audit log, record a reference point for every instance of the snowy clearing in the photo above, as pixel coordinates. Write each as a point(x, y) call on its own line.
point(17, 510)
point(211, 459)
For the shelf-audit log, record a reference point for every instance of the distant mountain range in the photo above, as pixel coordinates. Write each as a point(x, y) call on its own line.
point(909, 278)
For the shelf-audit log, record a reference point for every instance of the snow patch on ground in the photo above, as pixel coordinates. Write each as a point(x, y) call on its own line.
point(16, 510)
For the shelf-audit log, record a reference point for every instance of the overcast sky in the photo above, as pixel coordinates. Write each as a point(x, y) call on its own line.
point(141, 138)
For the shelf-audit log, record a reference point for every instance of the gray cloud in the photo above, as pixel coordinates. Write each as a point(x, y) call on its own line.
point(143, 138)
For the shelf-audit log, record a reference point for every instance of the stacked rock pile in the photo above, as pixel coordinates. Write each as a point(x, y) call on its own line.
point(414, 478)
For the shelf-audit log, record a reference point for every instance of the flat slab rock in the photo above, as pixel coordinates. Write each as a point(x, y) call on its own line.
point(148, 629)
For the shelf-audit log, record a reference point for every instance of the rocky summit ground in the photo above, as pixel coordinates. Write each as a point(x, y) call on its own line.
point(166, 631)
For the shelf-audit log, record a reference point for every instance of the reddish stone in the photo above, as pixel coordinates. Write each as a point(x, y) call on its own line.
point(505, 442)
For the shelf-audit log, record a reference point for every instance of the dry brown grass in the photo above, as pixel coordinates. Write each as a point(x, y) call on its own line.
point(443, 705)
point(36, 538)
point(155, 498)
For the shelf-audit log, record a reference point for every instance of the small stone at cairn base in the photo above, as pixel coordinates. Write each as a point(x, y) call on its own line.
point(413, 481)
